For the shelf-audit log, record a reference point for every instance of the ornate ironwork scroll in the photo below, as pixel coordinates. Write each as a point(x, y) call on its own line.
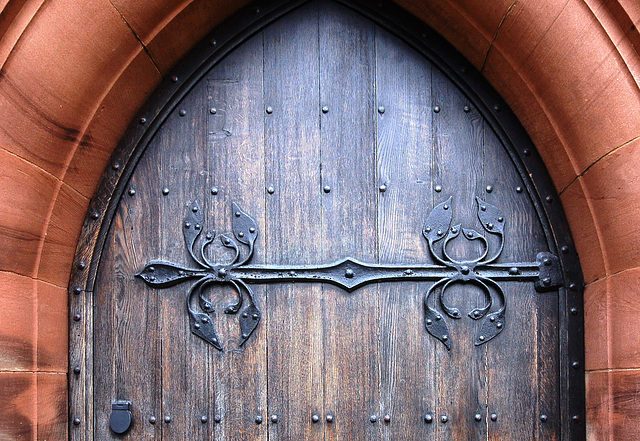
point(350, 274)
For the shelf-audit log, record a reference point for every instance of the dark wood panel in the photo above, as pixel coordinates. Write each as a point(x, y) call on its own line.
point(403, 88)
point(458, 170)
point(349, 226)
point(292, 227)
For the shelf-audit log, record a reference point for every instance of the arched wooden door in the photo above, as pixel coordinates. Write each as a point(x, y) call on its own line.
point(326, 226)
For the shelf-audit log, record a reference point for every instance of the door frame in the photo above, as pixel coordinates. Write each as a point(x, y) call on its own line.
point(214, 48)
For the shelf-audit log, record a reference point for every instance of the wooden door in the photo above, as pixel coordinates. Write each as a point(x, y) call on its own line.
point(321, 231)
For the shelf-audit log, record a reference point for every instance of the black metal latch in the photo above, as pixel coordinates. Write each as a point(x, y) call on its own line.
point(121, 418)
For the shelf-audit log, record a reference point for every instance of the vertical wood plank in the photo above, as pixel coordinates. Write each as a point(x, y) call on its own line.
point(235, 133)
point(292, 226)
point(349, 227)
point(458, 170)
point(403, 87)
point(185, 357)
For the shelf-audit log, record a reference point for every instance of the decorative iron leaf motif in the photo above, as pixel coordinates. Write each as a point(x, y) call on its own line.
point(438, 222)
point(161, 274)
point(244, 228)
point(490, 217)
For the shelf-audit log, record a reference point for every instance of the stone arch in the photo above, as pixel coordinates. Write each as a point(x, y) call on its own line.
point(74, 74)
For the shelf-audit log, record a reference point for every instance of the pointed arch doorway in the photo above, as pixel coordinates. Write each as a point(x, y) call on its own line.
point(321, 132)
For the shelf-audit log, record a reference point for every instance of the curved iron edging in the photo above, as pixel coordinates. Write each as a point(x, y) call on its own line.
point(222, 41)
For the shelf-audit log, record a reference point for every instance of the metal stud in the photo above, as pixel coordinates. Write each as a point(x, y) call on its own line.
point(575, 365)
point(373, 418)
point(213, 42)
point(381, 110)
point(574, 311)
point(217, 419)
point(269, 110)
point(142, 121)
point(497, 108)
point(329, 418)
point(204, 419)
point(213, 110)
point(477, 417)
point(387, 418)
point(572, 287)
point(466, 109)
point(76, 370)
point(76, 317)
point(544, 418)
point(438, 188)
point(315, 418)
point(174, 79)
point(167, 419)
point(489, 188)
point(165, 191)
point(494, 417)
point(258, 419)
point(436, 109)
point(77, 290)
point(549, 199)
point(349, 273)
point(95, 215)
point(76, 421)
point(182, 112)
point(132, 192)
point(514, 271)
point(326, 189)
point(564, 249)
point(428, 418)
point(274, 419)
point(152, 420)
point(271, 190)
point(444, 419)
point(115, 166)
point(526, 152)
point(518, 189)
point(325, 109)
point(576, 418)
point(382, 188)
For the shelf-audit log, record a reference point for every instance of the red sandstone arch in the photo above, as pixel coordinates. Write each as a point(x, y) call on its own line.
point(73, 74)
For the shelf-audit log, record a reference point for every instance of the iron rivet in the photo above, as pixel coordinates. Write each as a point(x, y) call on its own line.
point(214, 190)
point(381, 110)
point(483, 208)
point(222, 273)
point(464, 269)
point(76, 317)
point(382, 188)
point(152, 420)
point(429, 321)
point(204, 419)
point(95, 215)
point(194, 208)
point(349, 273)
point(478, 417)
point(373, 418)
point(572, 287)
point(492, 319)
point(325, 109)
point(197, 227)
point(132, 192)
point(213, 110)
point(543, 418)
point(438, 188)
point(387, 418)
point(76, 421)
point(494, 417)
point(269, 110)
point(574, 311)
point(466, 109)
point(167, 419)
point(274, 419)
point(445, 337)
point(165, 191)
point(439, 233)
point(501, 219)
point(215, 340)
point(315, 418)
point(513, 271)
point(518, 189)
point(438, 317)
point(255, 316)
point(446, 207)
point(575, 365)
point(526, 152)
point(245, 335)
point(490, 226)
point(245, 315)
point(546, 261)
point(576, 418)
point(213, 42)
point(428, 229)
point(252, 230)
point(187, 224)
point(115, 166)
point(217, 418)
point(481, 338)
point(271, 190)
point(174, 79)
point(142, 120)
point(546, 281)
point(196, 325)
point(326, 189)
point(454, 230)
point(489, 188)
point(329, 418)
point(76, 370)
point(77, 290)
point(182, 112)
point(497, 108)
point(549, 199)
point(436, 109)
point(152, 278)
point(444, 418)
point(428, 418)
point(564, 249)
point(240, 234)
point(256, 10)
point(499, 326)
